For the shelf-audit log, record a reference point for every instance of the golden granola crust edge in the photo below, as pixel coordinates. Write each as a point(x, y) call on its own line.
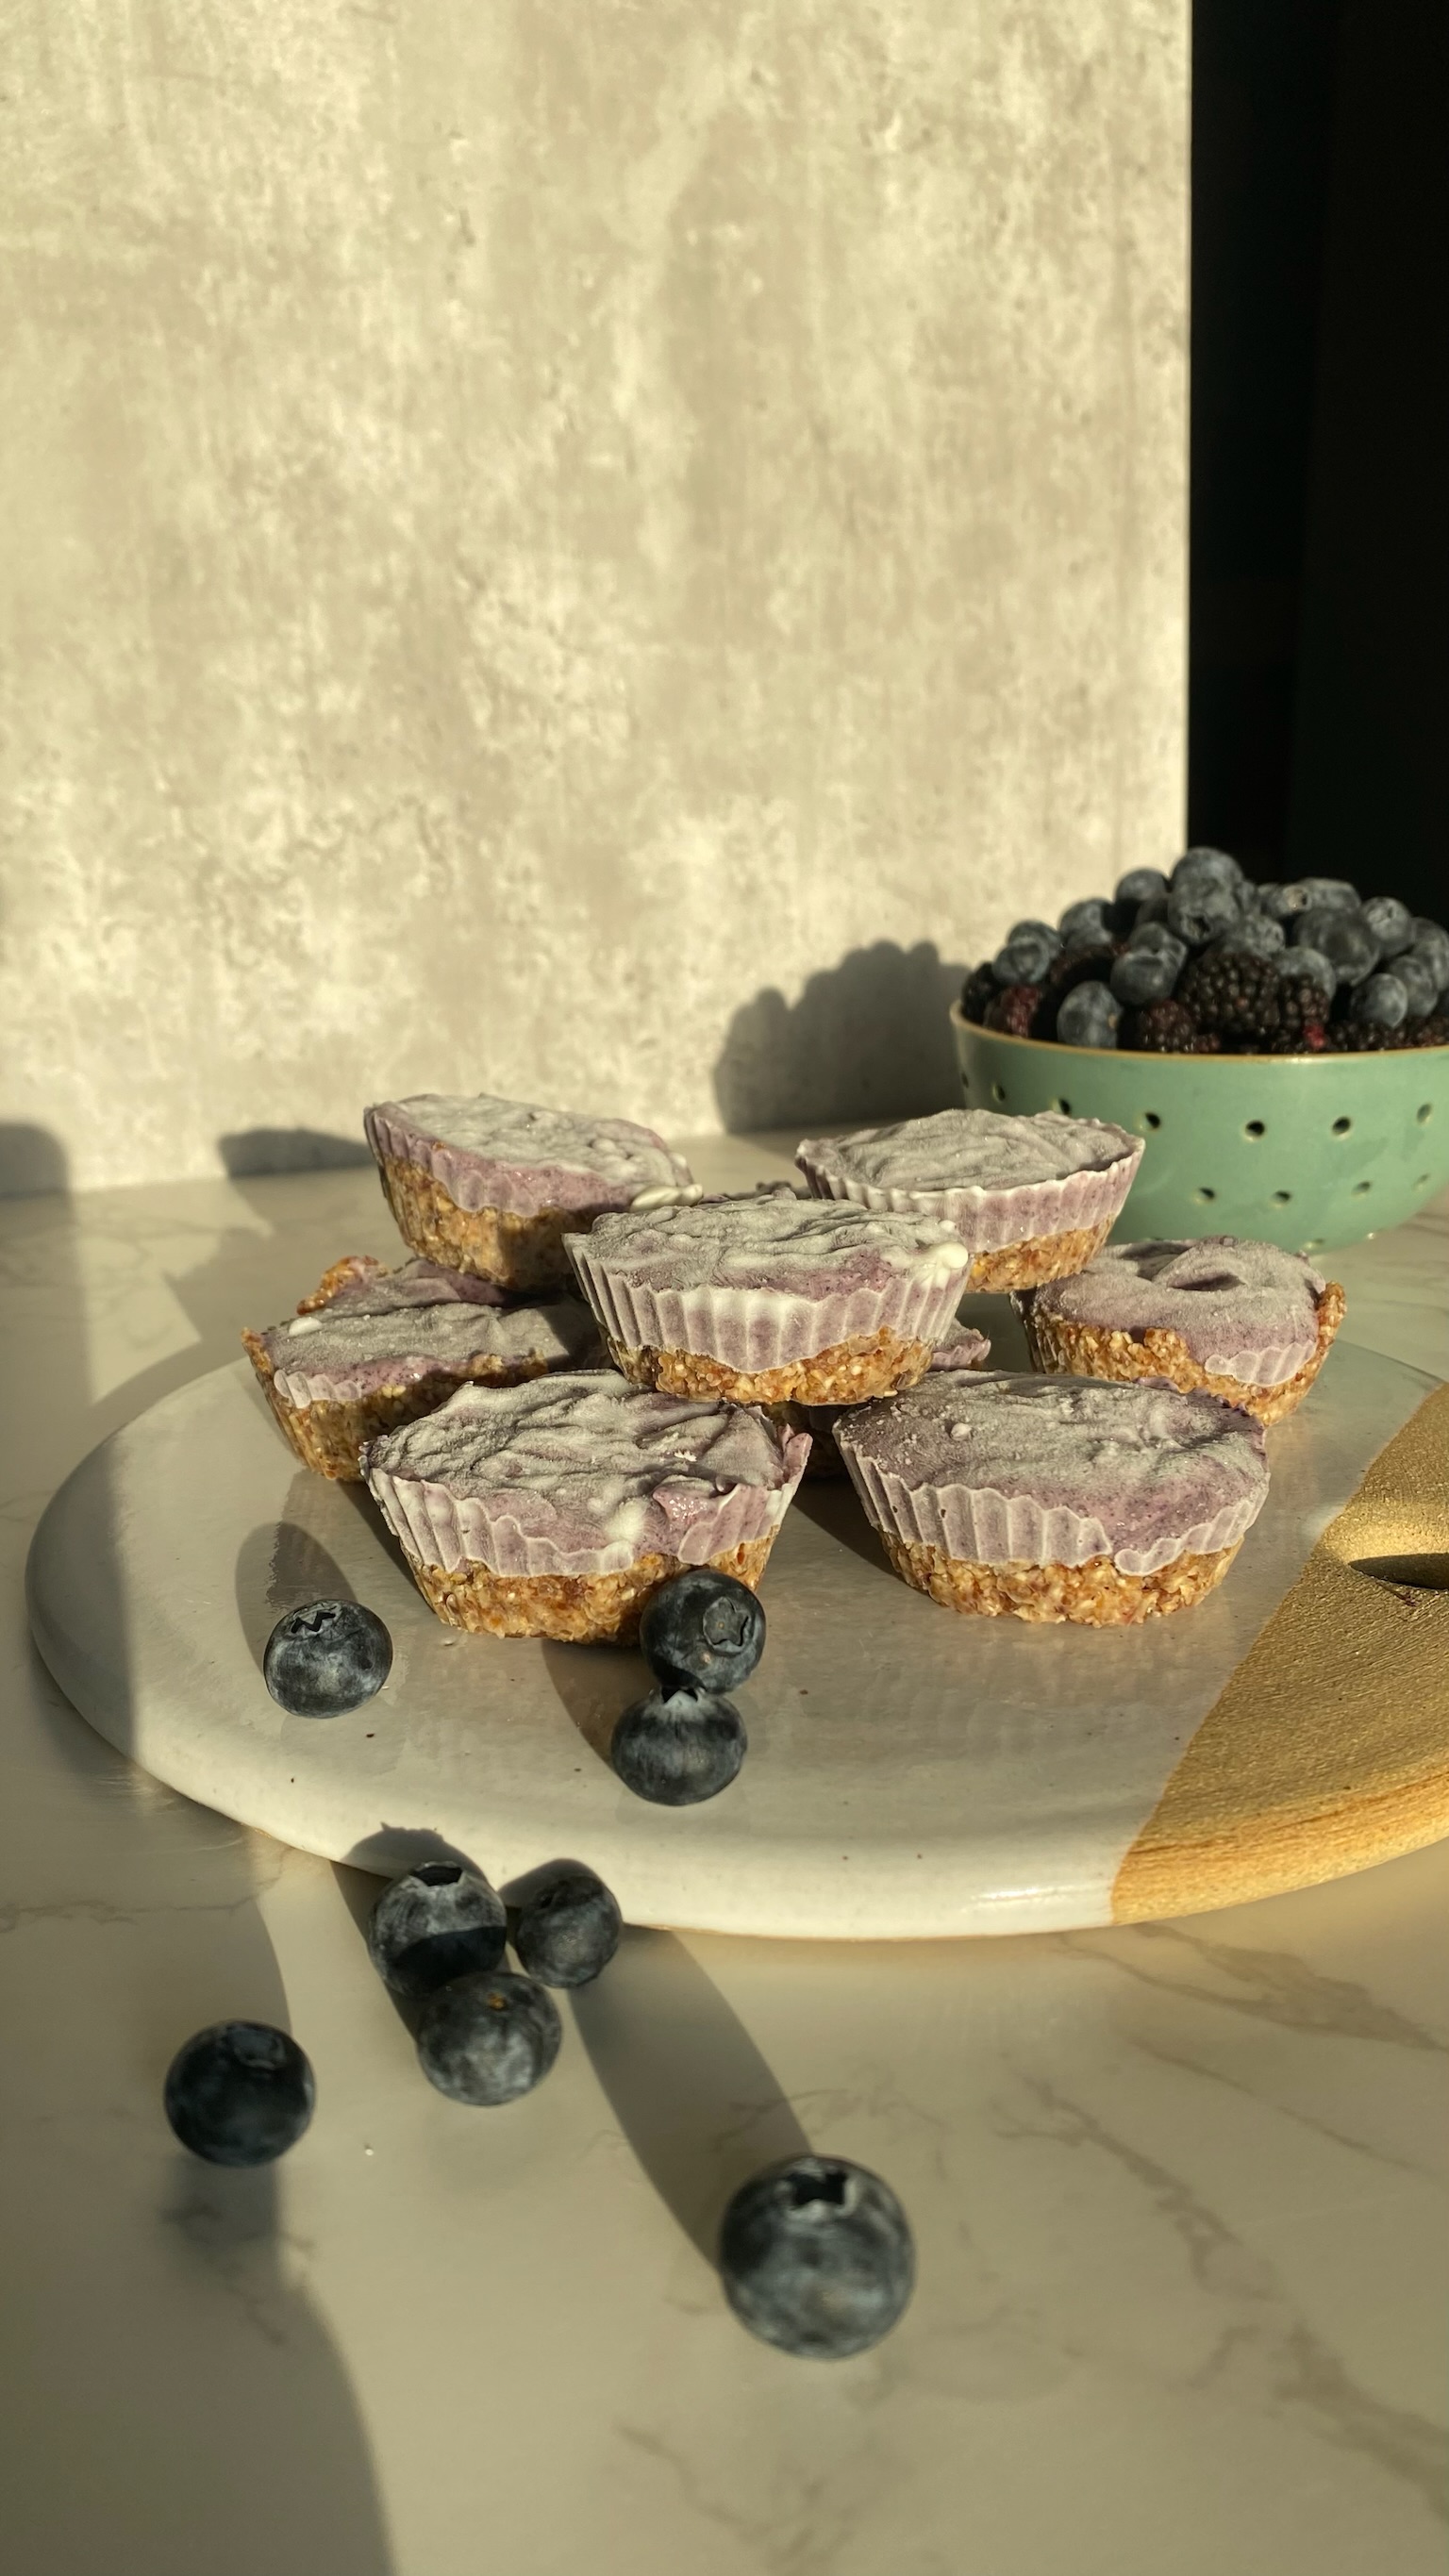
point(1094, 1595)
point(328, 1437)
point(1089, 1350)
point(848, 1373)
point(515, 1252)
point(578, 1609)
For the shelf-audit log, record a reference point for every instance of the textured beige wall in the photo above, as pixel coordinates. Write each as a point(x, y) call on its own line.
point(534, 529)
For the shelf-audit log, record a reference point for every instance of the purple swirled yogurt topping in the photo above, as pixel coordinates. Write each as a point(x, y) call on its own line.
point(342, 1351)
point(378, 1291)
point(581, 1475)
point(996, 1468)
point(487, 1152)
point(1244, 1309)
point(760, 1282)
point(997, 1180)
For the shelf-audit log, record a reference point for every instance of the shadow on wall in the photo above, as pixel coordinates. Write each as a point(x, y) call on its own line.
point(288, 1149)
point(32, 1162)
point(868, 1038)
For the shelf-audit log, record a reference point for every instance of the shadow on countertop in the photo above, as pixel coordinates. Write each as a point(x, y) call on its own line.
point(174, 2399)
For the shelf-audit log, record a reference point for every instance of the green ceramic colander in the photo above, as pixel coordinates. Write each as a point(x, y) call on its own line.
point(1297, 1150)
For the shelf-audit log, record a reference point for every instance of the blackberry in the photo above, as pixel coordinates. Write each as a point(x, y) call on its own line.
point(979, 989)
point(1234, 993)
point(1302, 1017)
point(1014, 1009)
point(1161, 1028)
point(1431, 1032)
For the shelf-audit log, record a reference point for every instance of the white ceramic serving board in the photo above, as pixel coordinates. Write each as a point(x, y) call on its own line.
point(911, 1773)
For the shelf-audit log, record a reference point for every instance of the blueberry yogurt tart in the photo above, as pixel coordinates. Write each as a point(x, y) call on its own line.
point(966, 1349)
point(492, 1186)
point(1031, 1198)
point(1242, 1319)
point(772, 1300)
point(1051, 1499)
point(373, 1347)
point(558, 1508)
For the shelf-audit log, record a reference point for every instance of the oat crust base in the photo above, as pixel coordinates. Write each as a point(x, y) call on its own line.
point(488, 1243)
point(1094, 1595)
point(579, 1609)
point(1089, 1350)
point(1040, 1257)
point(848, 1373)
point(328, 1436)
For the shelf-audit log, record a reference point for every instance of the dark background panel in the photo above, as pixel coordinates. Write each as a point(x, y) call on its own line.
point(1320, 440)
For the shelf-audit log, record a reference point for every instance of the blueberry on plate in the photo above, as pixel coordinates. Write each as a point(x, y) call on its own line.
point(816, 2255)
point(703, 1627)
point(488, 2038)
point(326, 1658)
point(679, 1746)
point(436, 1922)
point(239, 2093)
point(566, 1928)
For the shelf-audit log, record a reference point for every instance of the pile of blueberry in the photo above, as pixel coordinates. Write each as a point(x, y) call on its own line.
point(815, 2254)
point(1204, 962)
point(701, 1636)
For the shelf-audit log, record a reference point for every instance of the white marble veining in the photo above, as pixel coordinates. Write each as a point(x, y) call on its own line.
point(1178, 2191)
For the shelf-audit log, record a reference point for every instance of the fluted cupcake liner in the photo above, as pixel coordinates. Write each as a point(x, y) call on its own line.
point(436, 1527)
point(985, 1527)
point(755, 1329)
point(988, 1219)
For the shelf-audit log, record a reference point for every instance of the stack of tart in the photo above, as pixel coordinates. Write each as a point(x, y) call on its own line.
point(589, 1376)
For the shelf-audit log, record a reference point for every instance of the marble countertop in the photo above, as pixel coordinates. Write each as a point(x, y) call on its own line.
point(1178, 2190)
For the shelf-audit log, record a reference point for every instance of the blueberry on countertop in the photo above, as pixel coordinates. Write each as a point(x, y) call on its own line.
point(816, 2255)
point(326, 1658)
point(488, 2038)
point(566, 1928)
point(437, 1922)
point(678, 1746)
point(239, 2093)
point(703, 1627)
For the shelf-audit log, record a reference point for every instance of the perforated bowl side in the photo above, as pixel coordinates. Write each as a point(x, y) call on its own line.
point(1299, 1150)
